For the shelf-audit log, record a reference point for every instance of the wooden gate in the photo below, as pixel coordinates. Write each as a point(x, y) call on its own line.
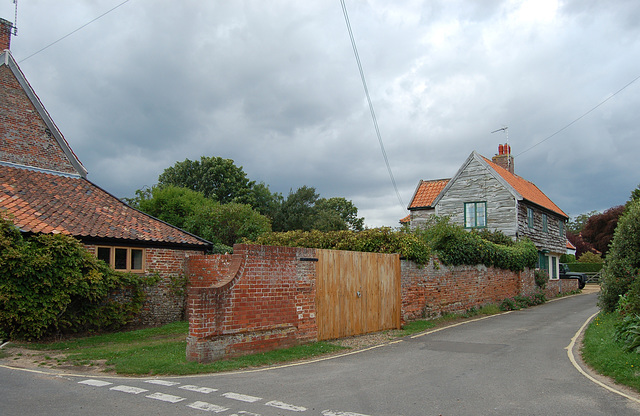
point(356, 293)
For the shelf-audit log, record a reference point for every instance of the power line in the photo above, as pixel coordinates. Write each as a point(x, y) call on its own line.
point(581, 117)
point(71, 33)
point(373, 114)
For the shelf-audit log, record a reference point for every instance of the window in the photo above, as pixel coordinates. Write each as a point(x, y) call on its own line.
point(475, 214)
point(545, 227)
point(561, 228)
point(122, 258)
point(530, 217)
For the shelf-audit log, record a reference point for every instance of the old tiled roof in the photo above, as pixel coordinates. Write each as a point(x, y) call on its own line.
point(526, 189)
point(427, 192)
point(42, 202)
point(406, 220)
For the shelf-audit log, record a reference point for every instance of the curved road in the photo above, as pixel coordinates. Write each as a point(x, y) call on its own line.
point(509, 364)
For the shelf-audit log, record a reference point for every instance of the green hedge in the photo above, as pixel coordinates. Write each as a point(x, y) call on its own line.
point(585, 267)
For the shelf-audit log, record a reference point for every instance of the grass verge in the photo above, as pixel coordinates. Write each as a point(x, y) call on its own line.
point(606, 356)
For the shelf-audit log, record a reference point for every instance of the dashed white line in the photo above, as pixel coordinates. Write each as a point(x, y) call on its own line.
point(332, 413)
point(197, 389)
point(286, 406)
point(128, 389)
point(207, 407)
point(242, 397)
point(166, 397)
point(162, 382)
point(95, 383)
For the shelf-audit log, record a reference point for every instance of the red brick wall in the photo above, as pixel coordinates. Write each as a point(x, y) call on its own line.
point(5, 34)
point(559, 286)
point(265, 300)
point(19, 120)
point(434, 289)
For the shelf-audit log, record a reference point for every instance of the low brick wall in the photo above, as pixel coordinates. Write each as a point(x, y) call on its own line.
point(434, 289)
point(557, 287)
point(258, 299)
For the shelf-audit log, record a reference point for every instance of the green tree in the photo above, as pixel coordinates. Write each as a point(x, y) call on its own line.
point(298, 211)
point(263, 200)
point(576, 224)
point(622, 264)
point(344, 210)
point(214, 177)
point(171, 203)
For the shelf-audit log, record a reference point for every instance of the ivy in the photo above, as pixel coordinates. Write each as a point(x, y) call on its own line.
point(50, 284)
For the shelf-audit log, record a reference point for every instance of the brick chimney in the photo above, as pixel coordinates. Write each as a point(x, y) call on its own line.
point(504, 158)
point(5, 34)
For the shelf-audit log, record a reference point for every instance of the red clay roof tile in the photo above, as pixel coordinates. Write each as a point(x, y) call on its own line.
point(427, 192)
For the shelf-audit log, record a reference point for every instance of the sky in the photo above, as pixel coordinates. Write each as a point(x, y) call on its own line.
point(274, 86)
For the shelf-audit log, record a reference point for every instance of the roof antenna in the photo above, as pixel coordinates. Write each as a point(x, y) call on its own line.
point(15, 19)
point(505, 129)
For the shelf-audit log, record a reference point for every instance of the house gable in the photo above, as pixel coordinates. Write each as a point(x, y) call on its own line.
point(28, 135)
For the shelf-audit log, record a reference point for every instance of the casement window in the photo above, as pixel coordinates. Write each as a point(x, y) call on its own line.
point(475, 214)
point(561, 228)
point(125, 259)
point(530, 217)
point(545, 226)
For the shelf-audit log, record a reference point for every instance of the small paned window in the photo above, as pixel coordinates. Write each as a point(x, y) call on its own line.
point(123, 258)
point(475, 214)
point(530, 217)
point(545, 226)
point(561, 228)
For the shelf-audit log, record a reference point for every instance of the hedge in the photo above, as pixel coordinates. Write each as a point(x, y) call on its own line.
point(585, 267)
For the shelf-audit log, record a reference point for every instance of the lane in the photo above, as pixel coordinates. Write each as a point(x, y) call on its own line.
point(509, 364)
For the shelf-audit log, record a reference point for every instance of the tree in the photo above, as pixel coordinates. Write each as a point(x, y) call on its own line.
point(263, 201)
point(600, 228)
point(346, 212)
point(622, 264)
point(576, 224)
point(170, 203)
point(214, 177)
point(579, 243)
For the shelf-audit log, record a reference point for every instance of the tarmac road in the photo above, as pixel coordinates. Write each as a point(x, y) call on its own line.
point(509, 364)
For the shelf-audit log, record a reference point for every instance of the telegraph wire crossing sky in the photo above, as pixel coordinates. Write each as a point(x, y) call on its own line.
point(136, 86)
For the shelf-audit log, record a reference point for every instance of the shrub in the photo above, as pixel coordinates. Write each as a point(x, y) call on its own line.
point(585, 267)
point(541, 278)
point(567, 258)
point(51, 284)
point(622, 264)
point(627, 333)
point(590, 257)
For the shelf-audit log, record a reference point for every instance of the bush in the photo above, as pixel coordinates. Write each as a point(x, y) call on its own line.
point(541, 278)
point(590, 257)
point(50, 284)
point(627, 333)
point(585, 267)
point(567, 258)
point(622, 264)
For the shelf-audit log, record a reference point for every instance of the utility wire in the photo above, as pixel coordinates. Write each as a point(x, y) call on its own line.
point(366, 91)
point(581, 117)
point(69, 34)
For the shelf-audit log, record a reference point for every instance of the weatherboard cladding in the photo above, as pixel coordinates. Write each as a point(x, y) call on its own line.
point(40, 202)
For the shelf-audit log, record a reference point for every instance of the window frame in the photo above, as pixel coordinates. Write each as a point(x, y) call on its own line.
point(475, 204)
point(561, 231)
point(545, 223)
point(128, 258)
point(530, 218)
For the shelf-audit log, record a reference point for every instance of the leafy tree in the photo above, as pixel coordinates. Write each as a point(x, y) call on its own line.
point(171, 203)
point(263, 200)
point(579, 243)
point(635, 194)
point(622, 264)
point(576, 225)
point(343, 209)
point(600, 228)
point(214, 177)
point(589, 257)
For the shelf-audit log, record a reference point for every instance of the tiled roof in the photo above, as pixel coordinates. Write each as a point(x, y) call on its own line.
point(526, 189)
point(427, 192)
point(48, 203)
point(406, 220)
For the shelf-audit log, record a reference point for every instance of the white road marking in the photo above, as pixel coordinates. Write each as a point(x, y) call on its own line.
point(95, 383)
point(332, 413)
point(241, 397)
point(207, 407)
point(286, 406)
point(197, 389)
point(166, 397)
point(162, 382)
point(128, 389)
point(242, 412)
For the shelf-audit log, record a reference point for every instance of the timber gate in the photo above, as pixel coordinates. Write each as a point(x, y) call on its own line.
point(356, 293)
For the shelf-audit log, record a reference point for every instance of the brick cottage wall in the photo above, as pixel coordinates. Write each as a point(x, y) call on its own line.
point(258, 299)
point(434, 289)
point(165, 301)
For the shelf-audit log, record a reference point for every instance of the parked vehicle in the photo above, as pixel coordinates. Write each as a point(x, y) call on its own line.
point(565, 273)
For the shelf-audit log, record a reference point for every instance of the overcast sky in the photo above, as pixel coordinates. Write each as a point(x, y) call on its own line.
point(274, 85)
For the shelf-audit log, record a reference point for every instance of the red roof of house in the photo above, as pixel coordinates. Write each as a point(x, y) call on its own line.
point(526, 189)
point(42, 202)
point(427, 192)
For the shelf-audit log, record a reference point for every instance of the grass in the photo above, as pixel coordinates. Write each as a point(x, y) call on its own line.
point(606, 356)
point(424, 324)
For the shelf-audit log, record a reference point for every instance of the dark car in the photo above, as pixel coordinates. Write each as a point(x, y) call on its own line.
point(565, 273)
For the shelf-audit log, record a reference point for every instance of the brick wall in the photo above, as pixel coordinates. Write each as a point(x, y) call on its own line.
point(434, 289)
point(260, 298)
point(559, 286)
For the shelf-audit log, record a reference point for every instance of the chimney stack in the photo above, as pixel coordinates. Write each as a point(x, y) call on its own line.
point(5, 34)
point(504, 158)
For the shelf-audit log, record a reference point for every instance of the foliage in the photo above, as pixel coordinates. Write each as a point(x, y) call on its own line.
point(579, 243)
point(374, 240)
point(629, 303)
point(590, 258)
point(497, 237)
point(567, 258)
point(585, 267)
point(600, 228)
point(627, 333)
point(51, 284)
point(216, 178)
point(170, 203)
point(227, 224)
point(541, 278)
point(622, 264)
point(608, 357)
point(576, 225)
point(522, 302)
